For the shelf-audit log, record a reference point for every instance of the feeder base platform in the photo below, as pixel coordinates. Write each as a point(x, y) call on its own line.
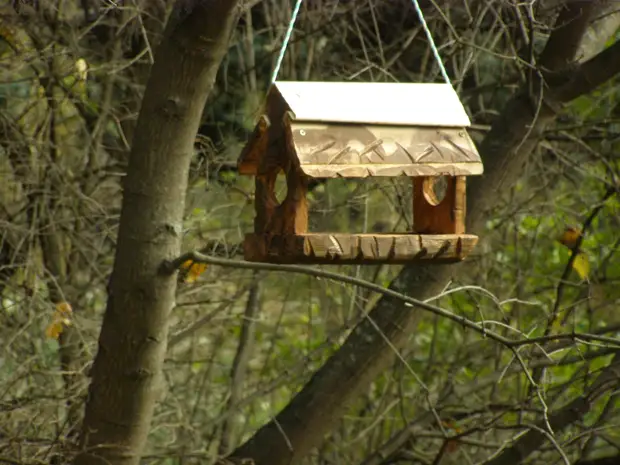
point(340, 249)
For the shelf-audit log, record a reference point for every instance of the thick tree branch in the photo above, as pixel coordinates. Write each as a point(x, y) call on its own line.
point(591, 74)
point(603, 26)
point(570, 27)
point(126, 375)
point(301, 425)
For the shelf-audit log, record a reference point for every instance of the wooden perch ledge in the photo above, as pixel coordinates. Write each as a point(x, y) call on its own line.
point(326, 248)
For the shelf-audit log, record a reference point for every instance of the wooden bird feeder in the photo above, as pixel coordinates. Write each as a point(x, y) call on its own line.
point(360, 130)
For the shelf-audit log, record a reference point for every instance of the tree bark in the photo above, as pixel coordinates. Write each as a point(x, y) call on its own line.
point(126, 375)
point(302, 424)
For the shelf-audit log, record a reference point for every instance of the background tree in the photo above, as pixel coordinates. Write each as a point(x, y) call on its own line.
point(399, 385)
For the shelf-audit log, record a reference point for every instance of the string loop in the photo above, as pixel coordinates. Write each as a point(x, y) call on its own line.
point(418, 10)
point(429, 36)
point(287, 38)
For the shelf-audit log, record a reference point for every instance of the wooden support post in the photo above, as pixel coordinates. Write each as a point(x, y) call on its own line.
point(265, 201)
point(460, 204)
point(433, 216)
point(275, 222)
point(295, 206)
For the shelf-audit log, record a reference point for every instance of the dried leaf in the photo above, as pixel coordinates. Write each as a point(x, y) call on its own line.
point(64, 308)
point(54, 329)
point(451, 444)
point(60, 319)
point(569, 237)
point(194, 270)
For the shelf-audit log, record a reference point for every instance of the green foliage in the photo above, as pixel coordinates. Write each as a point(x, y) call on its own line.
point(510, 284)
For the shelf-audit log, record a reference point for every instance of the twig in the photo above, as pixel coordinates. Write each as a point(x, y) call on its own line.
point(170, 266)
point(575, 251)
point(240, 364)
point(527, 443)
point(553, 316)
point(195, 326)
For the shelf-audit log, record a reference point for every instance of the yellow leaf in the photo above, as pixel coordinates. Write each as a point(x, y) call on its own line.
point(64, 308)
point(195, 271)
point(54, 329)
point(581, 265)
point(186, 264)
point(60, 319)
point(81, 68)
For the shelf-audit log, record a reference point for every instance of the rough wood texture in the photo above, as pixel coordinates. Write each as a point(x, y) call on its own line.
point(284, 141)
point(337, 249)
point(347, 150)
point(290, 216)
point(326, 145)
point(444, 217)
point(252, 153)
point(267, 139)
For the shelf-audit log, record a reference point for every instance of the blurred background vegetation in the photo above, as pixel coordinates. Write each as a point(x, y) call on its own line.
point(243, 343)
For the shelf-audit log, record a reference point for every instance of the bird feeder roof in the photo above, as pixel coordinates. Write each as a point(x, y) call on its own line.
point(374, 103)
point(350, 129)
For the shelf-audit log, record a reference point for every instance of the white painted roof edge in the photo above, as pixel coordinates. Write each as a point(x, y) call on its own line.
point(415, 104)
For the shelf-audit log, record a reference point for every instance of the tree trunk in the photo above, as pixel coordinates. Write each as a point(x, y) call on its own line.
point(126, 375)
point(366, 353)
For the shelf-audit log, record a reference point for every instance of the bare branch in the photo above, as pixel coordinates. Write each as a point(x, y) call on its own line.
point(365, 354)
point(561, 419)
point(240, 364)
point(481, 327)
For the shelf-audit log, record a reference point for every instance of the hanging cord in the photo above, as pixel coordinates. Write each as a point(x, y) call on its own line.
point(287, 37)
point(431, 41)
point(291, 25)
